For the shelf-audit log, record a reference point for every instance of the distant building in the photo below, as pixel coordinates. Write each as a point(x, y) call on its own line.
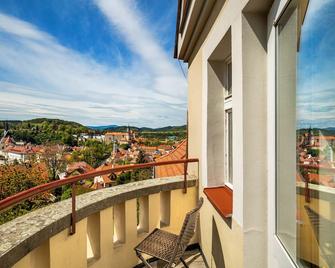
point(120, 137)
point(105, 180)
point(21, 153)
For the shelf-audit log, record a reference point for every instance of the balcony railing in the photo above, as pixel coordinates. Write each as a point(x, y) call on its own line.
point(132, 209)
point(24, 195)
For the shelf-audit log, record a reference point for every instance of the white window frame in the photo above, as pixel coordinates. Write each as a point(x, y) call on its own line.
point(228, 109)
point(229, 86)
point(277, 254)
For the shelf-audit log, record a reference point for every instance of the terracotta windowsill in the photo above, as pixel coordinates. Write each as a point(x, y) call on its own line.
point(221, 198)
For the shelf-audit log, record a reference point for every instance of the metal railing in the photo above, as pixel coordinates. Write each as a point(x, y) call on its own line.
point(306, 178)
point(24, 195)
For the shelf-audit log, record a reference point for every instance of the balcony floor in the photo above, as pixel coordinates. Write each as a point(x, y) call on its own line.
point(193, 258)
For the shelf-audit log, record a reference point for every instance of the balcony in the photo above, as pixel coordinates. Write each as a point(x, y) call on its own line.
point(104, 227)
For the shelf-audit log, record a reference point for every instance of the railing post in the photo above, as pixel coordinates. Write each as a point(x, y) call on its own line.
point(73, 214)
point(185, 178)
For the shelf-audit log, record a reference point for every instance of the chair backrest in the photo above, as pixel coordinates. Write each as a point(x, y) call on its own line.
point(187, 231)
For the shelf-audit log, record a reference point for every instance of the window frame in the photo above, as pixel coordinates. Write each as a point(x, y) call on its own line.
point(229, 77)
point(228, 109)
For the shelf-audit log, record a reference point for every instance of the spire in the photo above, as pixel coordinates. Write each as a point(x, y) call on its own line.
point(5, 131)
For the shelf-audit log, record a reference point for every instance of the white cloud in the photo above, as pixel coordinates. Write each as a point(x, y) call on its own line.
point(44, 78)
point(313, 13)
point(20, 28)
point(128, 20)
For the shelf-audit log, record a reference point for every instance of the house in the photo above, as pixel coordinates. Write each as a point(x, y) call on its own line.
point(21, 153)
point(172, 170)
point(104, 181)
point(120, 137)
point(76, 168)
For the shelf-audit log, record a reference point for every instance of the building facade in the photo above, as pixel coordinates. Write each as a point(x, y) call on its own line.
point(259, 78)
point(261, 123)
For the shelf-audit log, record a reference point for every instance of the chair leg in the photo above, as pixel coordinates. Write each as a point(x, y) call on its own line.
point(139, 255)
point(184, 263)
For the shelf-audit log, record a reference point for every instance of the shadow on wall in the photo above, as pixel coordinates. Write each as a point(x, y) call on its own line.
point(217, 251)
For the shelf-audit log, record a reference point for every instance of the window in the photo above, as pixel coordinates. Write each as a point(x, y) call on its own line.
point(305, 114)
point(228, 144)
point(219, 113)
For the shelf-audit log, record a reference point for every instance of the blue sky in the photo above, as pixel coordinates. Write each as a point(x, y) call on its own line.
point(316, 76)
point(95, 62)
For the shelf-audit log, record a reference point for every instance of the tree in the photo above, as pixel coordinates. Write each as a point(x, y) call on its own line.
point(141, 158)
point(94, 153)
point(124, 178)
point(313, 152)
point(15, 178)
point(53, 158)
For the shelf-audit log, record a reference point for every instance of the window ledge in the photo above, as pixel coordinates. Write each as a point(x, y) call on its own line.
point(221, 198)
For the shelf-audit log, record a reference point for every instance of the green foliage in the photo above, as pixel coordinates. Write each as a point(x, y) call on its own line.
point(19, 177)
point(94, 153)
point(313, 152)
point(43, 130)
point(124, 146)
point(141, 158)
point(124, 178)
point(136, 175)
point(80, 189)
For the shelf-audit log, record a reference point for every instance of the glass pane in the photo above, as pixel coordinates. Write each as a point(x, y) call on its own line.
point(306, 132)
point(229, 146)
point(229, 67)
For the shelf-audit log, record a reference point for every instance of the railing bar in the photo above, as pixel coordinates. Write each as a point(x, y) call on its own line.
point(316, 167)
point(14, 199)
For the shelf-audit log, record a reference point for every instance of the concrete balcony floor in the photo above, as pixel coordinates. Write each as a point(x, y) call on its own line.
point(193, 259)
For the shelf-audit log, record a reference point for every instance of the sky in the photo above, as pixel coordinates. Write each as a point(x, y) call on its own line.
point(96, 62)
point(316, 69)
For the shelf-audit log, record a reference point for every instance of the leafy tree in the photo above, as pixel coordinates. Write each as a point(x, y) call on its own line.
point(125, 146)
point(67, 191)
point(54, 161)
point(124, 178)
point(94, 153)
point(313, 152)
point(15, 178)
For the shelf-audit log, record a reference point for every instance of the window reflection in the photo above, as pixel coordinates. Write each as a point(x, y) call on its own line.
point(306, 132)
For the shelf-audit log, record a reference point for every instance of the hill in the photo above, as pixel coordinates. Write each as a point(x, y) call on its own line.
point(116, 128)
point(102, 128)
point(329, 131)
point(44, 130)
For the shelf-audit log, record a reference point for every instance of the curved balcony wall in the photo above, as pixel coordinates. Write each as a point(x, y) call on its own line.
point(110, 223)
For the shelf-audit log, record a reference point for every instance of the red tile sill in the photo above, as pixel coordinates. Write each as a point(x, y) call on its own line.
point(221, 198)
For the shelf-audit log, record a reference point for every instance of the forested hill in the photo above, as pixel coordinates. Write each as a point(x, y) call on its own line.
point(146, 129)
point(43, 130)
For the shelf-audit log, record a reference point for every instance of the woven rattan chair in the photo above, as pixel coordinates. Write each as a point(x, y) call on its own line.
point(169, 247)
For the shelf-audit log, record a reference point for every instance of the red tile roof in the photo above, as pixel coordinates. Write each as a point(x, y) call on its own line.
point(81, 167)
point(172, 170)
point(326, 180)
point(23, 149)
point(106, 178)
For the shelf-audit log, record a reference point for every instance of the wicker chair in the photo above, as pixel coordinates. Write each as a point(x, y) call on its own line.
point(169, 247)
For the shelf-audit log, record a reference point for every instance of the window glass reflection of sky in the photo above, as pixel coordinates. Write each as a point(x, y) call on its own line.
point(316, 67)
